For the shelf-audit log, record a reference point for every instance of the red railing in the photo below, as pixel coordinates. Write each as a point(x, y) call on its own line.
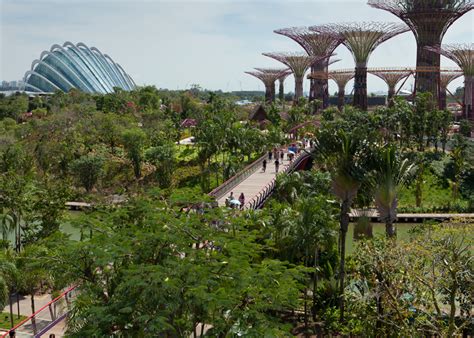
point(38, 326)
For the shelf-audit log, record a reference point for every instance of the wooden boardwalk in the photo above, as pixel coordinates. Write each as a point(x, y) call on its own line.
point(253, 184)
point(373, 215)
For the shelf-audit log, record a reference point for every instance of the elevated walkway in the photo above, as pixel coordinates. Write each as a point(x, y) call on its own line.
point(257, 185)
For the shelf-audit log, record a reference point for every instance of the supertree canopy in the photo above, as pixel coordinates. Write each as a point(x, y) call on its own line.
point(268, 76)
point(299, 64)
point(341, 77)
point(429, 20)
point(391, 76)
point(361, 38)
point(315, 44)
point(463, 55)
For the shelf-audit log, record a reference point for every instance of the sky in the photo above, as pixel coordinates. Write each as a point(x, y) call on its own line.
point(174, 44)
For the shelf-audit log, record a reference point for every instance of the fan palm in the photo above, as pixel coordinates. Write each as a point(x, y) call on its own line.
point(345, 155)
point(391, 174)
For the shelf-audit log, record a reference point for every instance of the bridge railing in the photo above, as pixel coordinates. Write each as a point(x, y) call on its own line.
point(44, 319)
point(257, 201)
point(228, 185)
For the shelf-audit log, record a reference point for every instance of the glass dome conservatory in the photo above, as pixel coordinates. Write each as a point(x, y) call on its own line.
point(76, 66)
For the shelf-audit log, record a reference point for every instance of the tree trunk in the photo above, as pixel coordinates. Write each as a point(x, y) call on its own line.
point(18, 305)
point(298, 89)
point(390, 230)
point(452, 305)
point(469, 98)
point(360, 86)
point(11, 308)
point(340, 98)
point(344, 224)
point(315, 281)
point(268, 93)
point(33, 320)
point(426, 81)
point(442, 99)
point(390, 96)
point(281, 90)
point(272, 91)
point(312, 85)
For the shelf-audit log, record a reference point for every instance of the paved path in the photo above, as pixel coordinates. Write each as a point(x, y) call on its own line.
point(42, 319)
point(253, 184)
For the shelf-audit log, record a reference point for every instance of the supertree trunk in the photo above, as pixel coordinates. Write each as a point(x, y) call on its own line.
point(468, 110)
point(281, 90)
point(298, 88)
point(326, 93)
point(272, 92)
point(442, 98)
point(320, 88)
point(427, 81)
point(340, 98)
point(312, 85)
point(391, 94)
point(360, 86)
point(268, 94)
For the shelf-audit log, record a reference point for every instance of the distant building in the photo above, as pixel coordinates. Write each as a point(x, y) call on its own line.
point(76, 66)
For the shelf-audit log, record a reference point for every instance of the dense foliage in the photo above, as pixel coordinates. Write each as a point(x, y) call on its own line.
point(155, 257)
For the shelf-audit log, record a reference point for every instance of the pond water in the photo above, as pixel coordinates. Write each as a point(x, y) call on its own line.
point(403, 230)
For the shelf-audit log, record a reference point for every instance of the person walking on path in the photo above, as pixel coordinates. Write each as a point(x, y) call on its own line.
point(270, 155)
point(277, 165)
point(242, 201)
point(264, 165)
point(282, 154)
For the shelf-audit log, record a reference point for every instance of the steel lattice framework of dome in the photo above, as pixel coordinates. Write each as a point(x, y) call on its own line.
point(76, 66)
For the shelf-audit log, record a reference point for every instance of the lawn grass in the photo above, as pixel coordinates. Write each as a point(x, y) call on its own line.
point(5, 320)
point(434, 195)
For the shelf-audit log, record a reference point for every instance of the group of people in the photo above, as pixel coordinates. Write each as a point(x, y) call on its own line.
point(278, 155)
point(233, 203)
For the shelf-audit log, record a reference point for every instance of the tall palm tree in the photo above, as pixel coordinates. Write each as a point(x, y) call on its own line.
point(345, 155)
point(314, 229)
point(391, 173)
point(8, 281)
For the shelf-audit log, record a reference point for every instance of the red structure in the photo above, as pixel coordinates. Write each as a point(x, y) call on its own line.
point(268, 76)
point(315, 44)
point(299, 64)
point(429, 20)
point(362, 39)
point(341, 77)
point(463, 55)
point(391, 76)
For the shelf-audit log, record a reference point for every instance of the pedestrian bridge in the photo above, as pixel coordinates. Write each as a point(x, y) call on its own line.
point(257, 185)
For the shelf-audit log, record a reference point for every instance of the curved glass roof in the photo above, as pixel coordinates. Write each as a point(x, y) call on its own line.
point(76, 66)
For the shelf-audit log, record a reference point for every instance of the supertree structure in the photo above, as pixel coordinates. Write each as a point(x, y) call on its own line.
point(299, 64)
point(463, 56)
point(315, 44)
point(429, 20)
point(281, 88)
point(361, 38)
point(341, 77)
point(445, 78)
point(391, 76)
point(268, 76)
